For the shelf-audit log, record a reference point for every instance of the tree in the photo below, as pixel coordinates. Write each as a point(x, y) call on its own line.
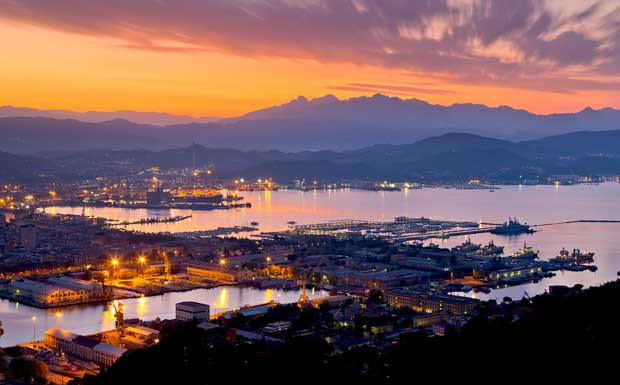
point(376, 296)
point(29, 370)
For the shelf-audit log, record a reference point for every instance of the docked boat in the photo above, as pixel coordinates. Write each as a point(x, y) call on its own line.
point(512, 227)
point(491, 249)
point(575, 267)
point(576, 257)
point(482, 289)
point(467, 247)
point(526, 252)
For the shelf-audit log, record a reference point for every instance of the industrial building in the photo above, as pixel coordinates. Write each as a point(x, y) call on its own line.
point(430, 303)
point(83, 347)
point(54, 291)
point(189, 311)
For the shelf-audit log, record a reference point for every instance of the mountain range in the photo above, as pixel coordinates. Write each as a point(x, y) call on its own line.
point(154, 118)
point(301, 124)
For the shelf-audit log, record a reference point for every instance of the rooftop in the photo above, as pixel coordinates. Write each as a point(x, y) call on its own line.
point(192, 306)
point(109, 349)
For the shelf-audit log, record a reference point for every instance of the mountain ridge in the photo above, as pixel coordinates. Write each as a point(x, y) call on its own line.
point(308, 124)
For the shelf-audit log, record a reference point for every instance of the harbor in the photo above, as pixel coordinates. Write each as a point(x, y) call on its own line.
point(18, 324)
point(272, 211)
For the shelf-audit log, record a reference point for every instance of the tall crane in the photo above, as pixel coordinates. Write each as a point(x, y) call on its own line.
point(167, 269)
point(302, 282)
point(119, 323)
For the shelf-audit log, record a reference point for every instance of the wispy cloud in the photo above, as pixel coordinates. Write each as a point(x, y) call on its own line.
point(392, 89)
point(513, 43)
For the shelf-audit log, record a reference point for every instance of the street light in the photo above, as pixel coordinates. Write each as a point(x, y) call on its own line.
point(142, 261)
point(34, 329)
point(114, 265)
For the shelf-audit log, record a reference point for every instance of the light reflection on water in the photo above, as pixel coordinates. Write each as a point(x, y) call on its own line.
point(533, 204)
point(86, 319)
point(272, 210)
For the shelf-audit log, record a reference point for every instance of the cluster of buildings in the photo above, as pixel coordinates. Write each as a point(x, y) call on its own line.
point(85, 348)
point(54, 291)
point(35, 240)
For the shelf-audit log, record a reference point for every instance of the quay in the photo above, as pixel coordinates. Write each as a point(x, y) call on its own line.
point(146, 221)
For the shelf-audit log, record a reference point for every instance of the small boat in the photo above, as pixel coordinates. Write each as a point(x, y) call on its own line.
point(291, 222)
point(254, 223)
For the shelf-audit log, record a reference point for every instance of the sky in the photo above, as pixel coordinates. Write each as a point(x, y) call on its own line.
point(225, 58)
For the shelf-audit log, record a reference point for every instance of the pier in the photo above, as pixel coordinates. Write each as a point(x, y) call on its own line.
point(148, 221)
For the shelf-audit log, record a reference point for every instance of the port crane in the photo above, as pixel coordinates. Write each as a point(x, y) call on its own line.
point(119, 322)
point(167, 269)
point(303, 296)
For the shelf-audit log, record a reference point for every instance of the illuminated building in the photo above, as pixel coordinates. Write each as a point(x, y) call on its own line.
point(431, 303)
point(218, 272)
point(55, 291)
point(83, 347)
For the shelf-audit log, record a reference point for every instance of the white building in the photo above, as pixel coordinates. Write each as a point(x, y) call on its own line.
point(55, 291)
point(187, 311)
point(83, 347)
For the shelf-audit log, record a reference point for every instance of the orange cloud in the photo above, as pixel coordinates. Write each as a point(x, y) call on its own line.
point(206, 57)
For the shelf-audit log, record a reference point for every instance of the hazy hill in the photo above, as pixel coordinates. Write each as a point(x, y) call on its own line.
point(302, 124)
point(449, 157)
point(155, 118)
point(24, 167)
point(579, 143)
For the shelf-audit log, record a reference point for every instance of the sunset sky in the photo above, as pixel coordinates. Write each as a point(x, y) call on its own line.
point(228, 57)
